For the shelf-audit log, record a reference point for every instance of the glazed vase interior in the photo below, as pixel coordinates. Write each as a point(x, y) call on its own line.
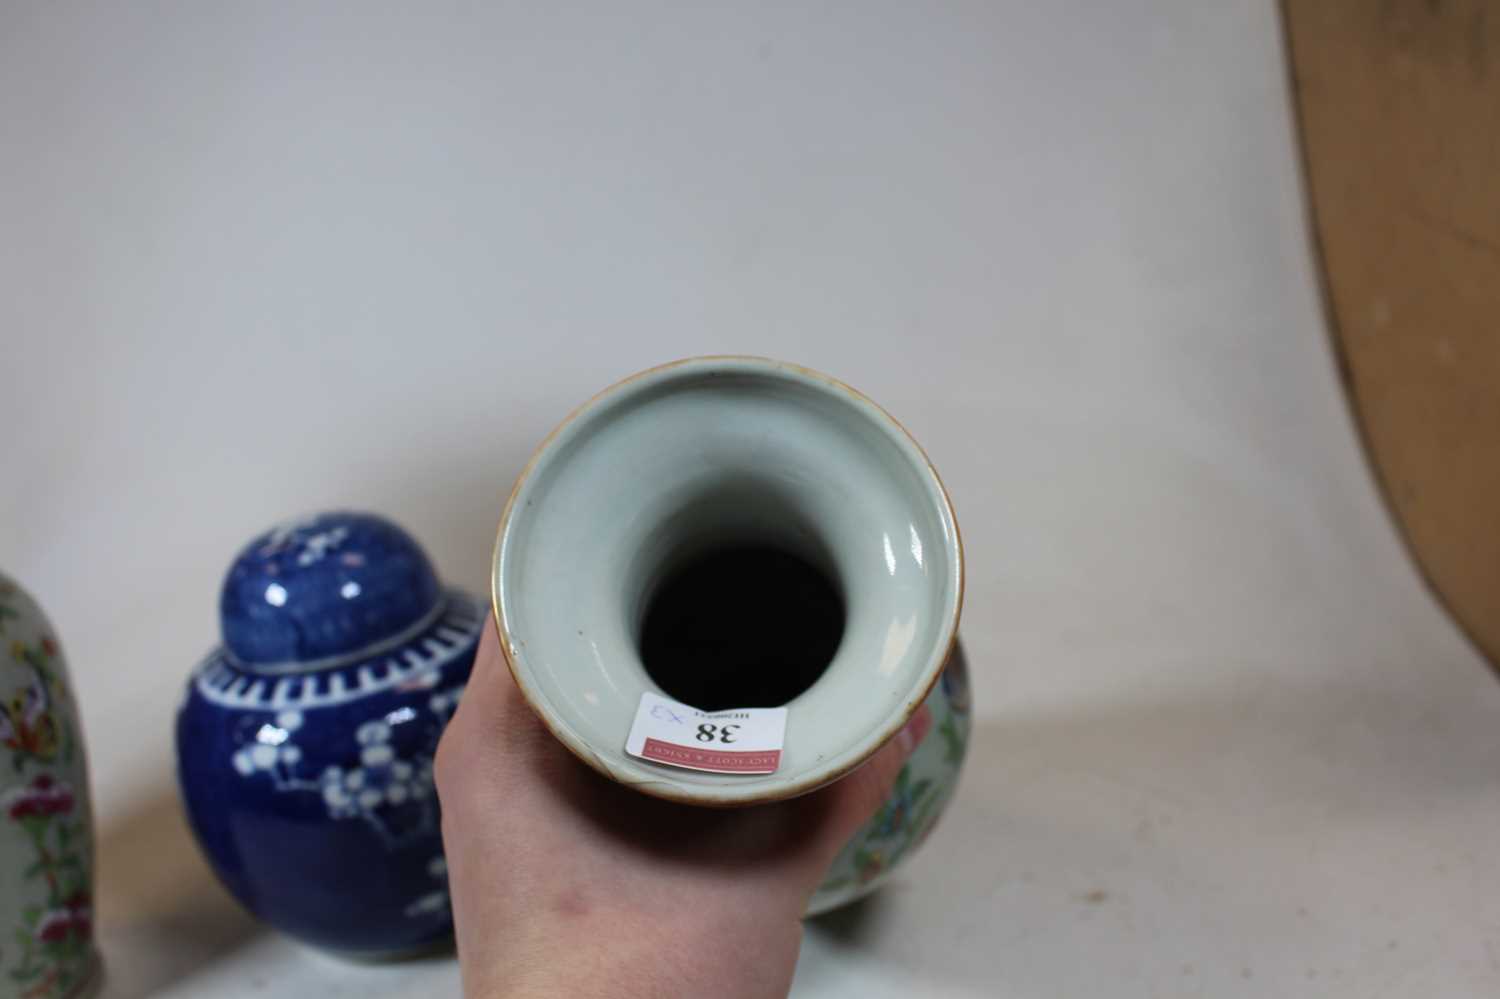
point(778, 476)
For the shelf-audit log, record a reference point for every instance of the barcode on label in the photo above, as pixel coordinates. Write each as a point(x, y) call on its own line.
point(736, 741)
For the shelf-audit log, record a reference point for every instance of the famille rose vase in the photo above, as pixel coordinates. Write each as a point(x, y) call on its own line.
point(46, 840)
point(738, 533)
point(306, 740)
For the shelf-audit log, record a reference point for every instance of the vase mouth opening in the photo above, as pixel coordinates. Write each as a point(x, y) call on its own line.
point(728, 532)
point(736, 598)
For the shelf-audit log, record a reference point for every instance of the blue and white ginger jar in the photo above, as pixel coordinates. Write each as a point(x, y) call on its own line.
point(306, 741)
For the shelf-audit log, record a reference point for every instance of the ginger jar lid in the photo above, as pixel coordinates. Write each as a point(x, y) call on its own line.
point(324, 589)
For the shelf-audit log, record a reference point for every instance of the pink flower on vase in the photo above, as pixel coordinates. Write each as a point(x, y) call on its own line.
point(80, 908)
point(73, 918)
point(55, 926)
point(49, 646)
point(61, 802)
point(24, 802)
point(42, 797)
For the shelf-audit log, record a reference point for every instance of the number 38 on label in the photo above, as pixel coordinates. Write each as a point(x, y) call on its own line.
point(740, 741)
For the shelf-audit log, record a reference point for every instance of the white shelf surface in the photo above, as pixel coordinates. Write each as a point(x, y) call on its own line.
point(259, 261)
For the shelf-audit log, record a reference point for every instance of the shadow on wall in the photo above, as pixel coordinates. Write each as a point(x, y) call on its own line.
point(162, 913)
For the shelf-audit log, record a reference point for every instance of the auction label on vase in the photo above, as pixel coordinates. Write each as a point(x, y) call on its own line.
point(737, 741)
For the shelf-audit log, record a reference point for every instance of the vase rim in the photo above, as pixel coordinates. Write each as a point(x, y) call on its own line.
point(661, 783)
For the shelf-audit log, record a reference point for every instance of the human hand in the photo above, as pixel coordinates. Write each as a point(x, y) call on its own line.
point(567, 884)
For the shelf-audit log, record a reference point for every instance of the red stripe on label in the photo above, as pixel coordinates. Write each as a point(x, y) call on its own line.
point(718, 760)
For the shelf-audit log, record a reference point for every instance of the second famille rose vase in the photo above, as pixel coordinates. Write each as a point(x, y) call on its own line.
point(739, 533)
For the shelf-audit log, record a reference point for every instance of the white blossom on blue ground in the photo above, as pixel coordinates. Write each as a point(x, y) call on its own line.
point(373, 789)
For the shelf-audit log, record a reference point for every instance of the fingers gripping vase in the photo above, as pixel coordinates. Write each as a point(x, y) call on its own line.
point(46, 842)
point(305, 742)
point(738, 532)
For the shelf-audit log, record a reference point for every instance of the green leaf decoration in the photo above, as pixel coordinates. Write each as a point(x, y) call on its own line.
point(924, 817)
point(953, 742)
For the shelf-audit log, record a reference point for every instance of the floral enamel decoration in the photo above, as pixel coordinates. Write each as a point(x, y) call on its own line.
point(941, 728)
point(46, 851)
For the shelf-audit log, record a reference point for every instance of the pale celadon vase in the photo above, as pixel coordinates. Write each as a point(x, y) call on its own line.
point(736, 452)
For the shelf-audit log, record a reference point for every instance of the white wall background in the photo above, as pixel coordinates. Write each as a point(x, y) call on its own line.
point(262, 259)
